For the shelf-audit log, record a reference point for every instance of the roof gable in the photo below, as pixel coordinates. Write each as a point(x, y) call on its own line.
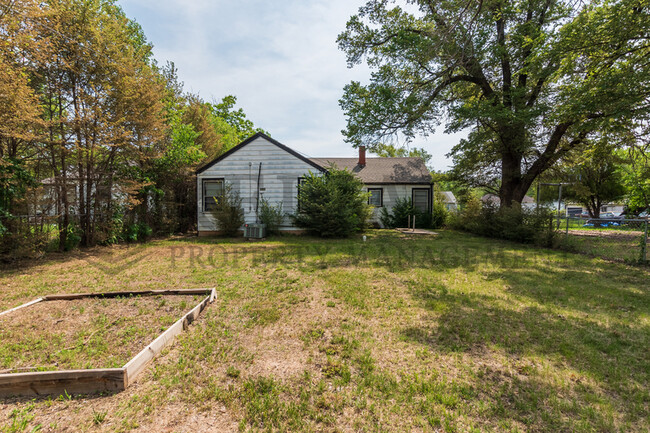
point(250, 140)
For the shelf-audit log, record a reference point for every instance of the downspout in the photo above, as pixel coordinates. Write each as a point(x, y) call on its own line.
point(259, 175)
point(250, 187)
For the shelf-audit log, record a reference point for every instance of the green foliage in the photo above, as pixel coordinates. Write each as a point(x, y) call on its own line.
point(403, 210)
point(182, 150)
point(114, 230)
point(521, 75)
point(332, 204)
point(438, 214)
point(389, 150)
point(228, 213)
point(595, 178)
point(509, 223)
point(271, 216)
point(399, 214)
point(137, 232)
point(14, 181)
point(73, 238)
point(635, 175)
point(84, 104)
point(231, 124)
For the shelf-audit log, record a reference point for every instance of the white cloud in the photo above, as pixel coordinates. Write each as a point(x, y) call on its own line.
point(279, 58)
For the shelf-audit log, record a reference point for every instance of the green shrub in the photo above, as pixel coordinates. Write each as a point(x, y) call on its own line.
point(228, 212)
point(73, 238)
point(22, 239)
point(399, 214)
point(144, 231)
point(113, 231)
point(438, 215)
point(511, 223)
point(332, 205)
point(271, 216)
point(403, 209)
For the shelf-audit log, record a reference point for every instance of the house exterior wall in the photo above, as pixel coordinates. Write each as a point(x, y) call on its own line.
point(391, 192)
point(278, 181)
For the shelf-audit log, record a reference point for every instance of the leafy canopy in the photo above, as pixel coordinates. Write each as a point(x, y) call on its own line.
point(532, 80)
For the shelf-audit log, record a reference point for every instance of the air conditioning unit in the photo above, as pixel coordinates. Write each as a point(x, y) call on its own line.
point(255, 231)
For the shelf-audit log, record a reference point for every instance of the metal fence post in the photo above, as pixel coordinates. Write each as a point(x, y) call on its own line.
point(567, 227)
point(645, 243)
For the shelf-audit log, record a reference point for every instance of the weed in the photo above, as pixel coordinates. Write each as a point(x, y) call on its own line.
point(232, 372)
point(99, 417)
point(445, 333)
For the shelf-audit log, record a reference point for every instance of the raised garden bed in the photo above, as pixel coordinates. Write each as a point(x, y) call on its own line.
point(86, 343)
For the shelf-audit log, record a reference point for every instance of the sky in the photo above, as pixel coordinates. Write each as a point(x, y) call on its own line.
point(280, 59)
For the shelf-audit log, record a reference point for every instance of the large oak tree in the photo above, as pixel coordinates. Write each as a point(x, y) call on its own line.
point(531, 79)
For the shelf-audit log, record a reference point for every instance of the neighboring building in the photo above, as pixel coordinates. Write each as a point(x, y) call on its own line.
point(616, 208)
point(449, 199)
point(493, 199)
point(577, 209)
point(45, 197)
point(261, 167)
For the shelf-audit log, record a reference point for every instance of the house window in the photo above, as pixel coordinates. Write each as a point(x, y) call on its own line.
point(212, 190)
point(420, 197)
point(376, 198)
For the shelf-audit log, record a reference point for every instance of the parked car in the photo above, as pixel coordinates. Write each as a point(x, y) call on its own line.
point(606, 219)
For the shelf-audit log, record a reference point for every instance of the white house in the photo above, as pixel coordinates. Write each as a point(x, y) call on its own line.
point(261, 167)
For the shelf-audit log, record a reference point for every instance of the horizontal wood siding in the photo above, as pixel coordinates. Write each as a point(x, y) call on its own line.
point(391, 194)
point(279, 179)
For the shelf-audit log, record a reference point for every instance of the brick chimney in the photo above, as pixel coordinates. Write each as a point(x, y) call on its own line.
point(362, 156)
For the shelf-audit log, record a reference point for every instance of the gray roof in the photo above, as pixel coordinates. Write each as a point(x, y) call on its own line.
point(402, 170)
point(449, 196)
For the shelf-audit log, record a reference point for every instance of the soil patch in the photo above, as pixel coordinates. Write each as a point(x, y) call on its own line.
point(86, 333)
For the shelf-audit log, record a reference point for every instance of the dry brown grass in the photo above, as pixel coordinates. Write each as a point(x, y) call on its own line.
point(86, 333)
point(392, 335)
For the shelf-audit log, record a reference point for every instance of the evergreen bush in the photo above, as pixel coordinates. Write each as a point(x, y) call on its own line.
point(271, 216)
point(228, 212)
point(332, 205)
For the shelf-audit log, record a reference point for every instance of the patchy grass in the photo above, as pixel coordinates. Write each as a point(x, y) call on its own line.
point(611, 245)
point(85, 333)
point(450, 333)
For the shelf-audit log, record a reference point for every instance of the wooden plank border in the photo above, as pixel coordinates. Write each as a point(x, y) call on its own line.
point(141, 360)
point(35, 301)
point(100, 379)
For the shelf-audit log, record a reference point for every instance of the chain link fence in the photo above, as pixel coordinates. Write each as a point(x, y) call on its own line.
point(617, 239)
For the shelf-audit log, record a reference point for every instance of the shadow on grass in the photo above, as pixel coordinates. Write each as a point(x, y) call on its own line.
point(599, 366)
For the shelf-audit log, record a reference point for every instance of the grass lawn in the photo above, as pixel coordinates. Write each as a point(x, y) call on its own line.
point(86, 333)
point(450, 333)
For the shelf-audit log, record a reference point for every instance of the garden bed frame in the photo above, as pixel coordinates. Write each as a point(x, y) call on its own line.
point(98, 379)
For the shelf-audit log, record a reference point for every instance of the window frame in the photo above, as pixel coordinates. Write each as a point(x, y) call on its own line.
point(381, 196)
point(428, 190)
point(203, 194)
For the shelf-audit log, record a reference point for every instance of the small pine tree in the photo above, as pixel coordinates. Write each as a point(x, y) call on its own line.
point(271, 216)
point(332, 205)
point(228, 212)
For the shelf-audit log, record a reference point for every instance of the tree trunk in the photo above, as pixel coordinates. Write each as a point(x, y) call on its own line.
point(513, 188)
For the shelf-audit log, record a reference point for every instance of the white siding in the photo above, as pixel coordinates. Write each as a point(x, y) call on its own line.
point(278, 180)
point(391, 193)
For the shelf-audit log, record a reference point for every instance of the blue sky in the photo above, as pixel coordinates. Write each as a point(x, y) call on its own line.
point(280, 60)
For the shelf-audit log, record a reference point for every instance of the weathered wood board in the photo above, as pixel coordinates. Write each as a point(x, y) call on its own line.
point(99, 380)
